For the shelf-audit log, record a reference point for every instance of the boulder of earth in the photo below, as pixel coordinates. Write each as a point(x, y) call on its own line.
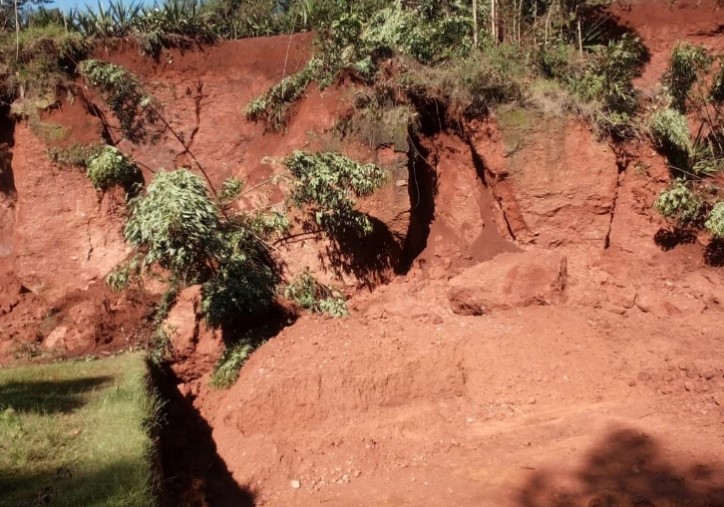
point(509, 280)
point(188, 333)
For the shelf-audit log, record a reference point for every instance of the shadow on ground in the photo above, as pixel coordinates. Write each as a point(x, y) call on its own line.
point(193, 474)
point(627, 469)
point(69, 486)
point(49, 396)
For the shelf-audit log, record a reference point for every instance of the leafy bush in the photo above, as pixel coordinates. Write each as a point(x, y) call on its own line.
point(670, 130)
point(325, 183)
point(122, 275)
point(175, 224)
point(687, 61)
point(110, 167)
point(227, 369)
point(230, 190)
point(271, 107)
point(244, 281)
point(607, 80)
point(311, 295)
point(715, 223)
point(680, 203)
point(124, 95)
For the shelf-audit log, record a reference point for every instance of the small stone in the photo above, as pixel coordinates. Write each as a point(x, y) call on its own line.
point(632, 383)
point(296, 484)
point(718, 398)
point(688, 386)
point(532, 401)
point(357, 473)
point(709, 374)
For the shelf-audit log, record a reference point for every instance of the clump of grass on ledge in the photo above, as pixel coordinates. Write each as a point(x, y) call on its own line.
point(77, 433)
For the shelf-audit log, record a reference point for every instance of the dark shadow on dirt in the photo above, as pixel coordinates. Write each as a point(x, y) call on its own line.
point(422, 188)
point(370, 259)
point(257, 329)
point(627, 468)
point(668, 239)
point(714, 253)
point(193, 472)
point(7, 140)
point(52, 397)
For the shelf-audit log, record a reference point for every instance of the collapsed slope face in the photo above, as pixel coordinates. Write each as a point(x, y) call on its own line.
point(523, 380)
point(61, 237)
point(600, 385)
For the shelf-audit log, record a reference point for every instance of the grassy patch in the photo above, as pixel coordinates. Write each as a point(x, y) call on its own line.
point(77, 433)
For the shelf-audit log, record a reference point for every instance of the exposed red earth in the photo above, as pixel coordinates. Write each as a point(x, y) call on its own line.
point(524, 341)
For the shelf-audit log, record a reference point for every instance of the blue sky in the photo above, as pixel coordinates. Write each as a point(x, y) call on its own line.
point(66, 5)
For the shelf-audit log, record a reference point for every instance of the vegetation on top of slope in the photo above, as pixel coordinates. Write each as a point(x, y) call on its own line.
point(430, 52)
point(59, 433)
point(36, 64)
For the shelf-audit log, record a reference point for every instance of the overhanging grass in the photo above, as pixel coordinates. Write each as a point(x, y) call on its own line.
point(77, 434)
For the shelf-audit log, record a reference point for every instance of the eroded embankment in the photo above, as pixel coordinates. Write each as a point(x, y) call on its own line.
point(579, 364)
point(573, 350)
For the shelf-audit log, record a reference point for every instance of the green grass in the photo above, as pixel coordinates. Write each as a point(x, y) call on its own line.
point(77, 434)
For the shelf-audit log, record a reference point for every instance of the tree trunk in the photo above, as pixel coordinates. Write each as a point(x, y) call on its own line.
point(493, 21)
point(475, 23)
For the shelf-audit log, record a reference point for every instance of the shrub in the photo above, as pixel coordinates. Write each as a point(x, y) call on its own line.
point(311, 295)
point(110, 167)
point(230, 190)
point(687, 62)
point(325, 184)
point(227, 369)
point(244, 281)
point(123, 274)
point(175, 224)
point(271, 107)
point(680, 203)
point(607, 80)
point(715, 223)
point(124, 95)
point(670, 130)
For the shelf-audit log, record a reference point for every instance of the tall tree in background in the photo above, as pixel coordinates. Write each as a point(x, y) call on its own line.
point(9, 8)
